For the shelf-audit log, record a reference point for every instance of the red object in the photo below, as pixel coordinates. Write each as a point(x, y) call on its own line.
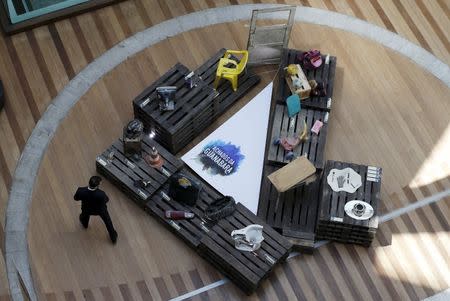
point(175, 215)
point(154, 159)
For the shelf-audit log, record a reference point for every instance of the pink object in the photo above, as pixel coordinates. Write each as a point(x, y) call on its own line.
point(316, 127)
point(289, 143)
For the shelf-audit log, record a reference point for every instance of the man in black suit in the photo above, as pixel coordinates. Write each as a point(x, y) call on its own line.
point(93, 202)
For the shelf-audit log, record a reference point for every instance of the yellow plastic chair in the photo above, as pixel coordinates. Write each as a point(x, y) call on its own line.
point(231, 74)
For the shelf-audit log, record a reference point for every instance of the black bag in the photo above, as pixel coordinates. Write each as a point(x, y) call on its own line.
point(220, 208)
point(184, 189)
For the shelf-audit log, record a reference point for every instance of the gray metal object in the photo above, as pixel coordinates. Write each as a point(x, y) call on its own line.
point(266, 42)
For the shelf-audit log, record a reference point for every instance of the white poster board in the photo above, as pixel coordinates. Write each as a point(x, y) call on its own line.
point(231, 158)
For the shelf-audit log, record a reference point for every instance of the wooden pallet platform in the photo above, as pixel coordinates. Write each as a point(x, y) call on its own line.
point(191, 230)
point(293, 213)
point(283, 126)
point(123, 171)
point(325, 72)
point(211, 241)
point(214, 242)
point(246, 269)
point(334, 223)
point(195, 108)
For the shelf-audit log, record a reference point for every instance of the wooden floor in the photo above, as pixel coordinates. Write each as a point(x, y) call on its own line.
point(387, 112)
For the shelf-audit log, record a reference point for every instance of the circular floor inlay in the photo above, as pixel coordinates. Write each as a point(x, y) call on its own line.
point(28, 165)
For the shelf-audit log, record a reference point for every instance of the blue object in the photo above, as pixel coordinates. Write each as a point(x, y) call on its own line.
point(293, 105)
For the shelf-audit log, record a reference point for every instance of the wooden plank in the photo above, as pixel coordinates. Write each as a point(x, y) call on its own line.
point(264, 199)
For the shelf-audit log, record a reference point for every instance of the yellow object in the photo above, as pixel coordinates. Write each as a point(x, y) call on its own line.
point(297, 81)
point(231, 74)
point(304, 135)
point(292, 69)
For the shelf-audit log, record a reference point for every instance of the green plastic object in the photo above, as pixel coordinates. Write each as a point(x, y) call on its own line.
point(293, 105)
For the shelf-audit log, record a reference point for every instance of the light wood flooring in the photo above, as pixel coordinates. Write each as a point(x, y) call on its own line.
point(387, 111)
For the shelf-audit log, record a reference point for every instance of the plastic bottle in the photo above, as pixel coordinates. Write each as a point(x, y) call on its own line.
point(175, 215)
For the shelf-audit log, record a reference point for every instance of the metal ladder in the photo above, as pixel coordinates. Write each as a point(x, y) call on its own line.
point(266, 42)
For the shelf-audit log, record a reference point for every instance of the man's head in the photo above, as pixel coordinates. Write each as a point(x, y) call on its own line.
point(94, 182)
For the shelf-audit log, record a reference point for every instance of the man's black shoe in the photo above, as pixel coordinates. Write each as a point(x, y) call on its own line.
point(114, 238)
point(84, 226)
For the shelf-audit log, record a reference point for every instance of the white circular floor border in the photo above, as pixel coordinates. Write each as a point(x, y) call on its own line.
point(17, 213)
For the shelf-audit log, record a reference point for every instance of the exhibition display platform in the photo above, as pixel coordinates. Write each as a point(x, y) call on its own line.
point(198, 104)
point(295, 217)
point(295, 213)
point(211, 240)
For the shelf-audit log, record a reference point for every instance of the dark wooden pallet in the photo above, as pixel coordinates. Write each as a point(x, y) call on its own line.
point(191, 230)
point(314, 147)
point(211, 241)
point(334, 223)
point(123, 171)
point(285, 212)
point(245, 269)
point(293, 213)
point(323, 73)
point(214, 242)
point(195, 108)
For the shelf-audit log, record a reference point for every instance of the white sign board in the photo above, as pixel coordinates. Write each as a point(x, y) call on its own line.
point(231, 158)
